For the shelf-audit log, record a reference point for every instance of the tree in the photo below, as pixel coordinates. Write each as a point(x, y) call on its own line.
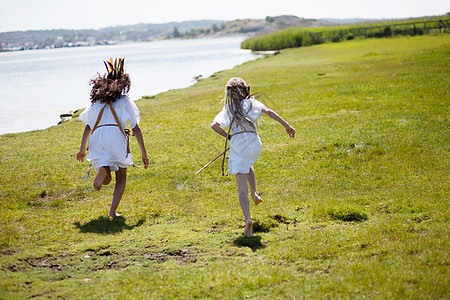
point(176, 33)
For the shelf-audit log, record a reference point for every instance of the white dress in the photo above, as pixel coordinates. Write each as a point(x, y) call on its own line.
point(245, 148)
point(107, 145)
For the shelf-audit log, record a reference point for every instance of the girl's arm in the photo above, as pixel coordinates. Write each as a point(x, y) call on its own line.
point(216, 127)
point(271, 114)
point(140, 139)
point(82, 153)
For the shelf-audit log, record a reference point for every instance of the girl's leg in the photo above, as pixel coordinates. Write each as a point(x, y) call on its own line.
point(100, 178)
point(252, 182)
point(121, 180)
point(241, 181)
point(103, 177)
point(107, 179)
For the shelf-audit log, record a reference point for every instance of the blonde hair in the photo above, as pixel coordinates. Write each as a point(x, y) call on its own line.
point(237, 90)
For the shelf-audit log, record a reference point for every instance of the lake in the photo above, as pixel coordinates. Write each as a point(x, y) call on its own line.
point(39, 85)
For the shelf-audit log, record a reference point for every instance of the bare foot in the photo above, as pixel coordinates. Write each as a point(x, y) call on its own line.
point(256, 198)
point(100, 178)
point(248, 233)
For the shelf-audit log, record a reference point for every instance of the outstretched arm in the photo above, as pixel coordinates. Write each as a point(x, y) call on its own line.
point(82, 153)
point(140, 139)
point(270, 113)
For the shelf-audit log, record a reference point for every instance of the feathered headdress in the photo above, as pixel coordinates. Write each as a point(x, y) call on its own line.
point(114, 68)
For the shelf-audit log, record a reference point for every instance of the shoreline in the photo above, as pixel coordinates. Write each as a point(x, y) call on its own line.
point(190, 58)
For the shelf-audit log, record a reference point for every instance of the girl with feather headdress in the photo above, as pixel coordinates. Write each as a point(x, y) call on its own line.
point(105, 120)
point(240, 113)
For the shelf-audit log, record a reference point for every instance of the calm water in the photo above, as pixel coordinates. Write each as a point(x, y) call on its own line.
point(37, 86)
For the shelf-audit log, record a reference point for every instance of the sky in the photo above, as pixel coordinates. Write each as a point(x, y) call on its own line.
point(17, 15)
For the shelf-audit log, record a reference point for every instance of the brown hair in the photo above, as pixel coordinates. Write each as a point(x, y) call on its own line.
point(236, 91)
point(105, 89)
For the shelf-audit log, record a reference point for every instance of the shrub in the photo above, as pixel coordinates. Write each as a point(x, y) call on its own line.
point(287, 38)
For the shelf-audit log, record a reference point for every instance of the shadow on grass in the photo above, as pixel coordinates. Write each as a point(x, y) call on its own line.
point(253, 243)
point(107, 225)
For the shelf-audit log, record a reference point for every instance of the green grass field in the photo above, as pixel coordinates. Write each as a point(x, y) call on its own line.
point(355, 206)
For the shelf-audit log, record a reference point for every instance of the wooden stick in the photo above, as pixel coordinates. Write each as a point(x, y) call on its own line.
point(223, 153)
point(212, 161)
point(88, 170)
point(251, 95)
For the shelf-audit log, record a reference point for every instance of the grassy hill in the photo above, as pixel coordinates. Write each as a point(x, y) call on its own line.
point(264, 26)
point(355, 206)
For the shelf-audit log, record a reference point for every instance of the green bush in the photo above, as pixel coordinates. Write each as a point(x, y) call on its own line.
point(288, 38)
point(300, 37)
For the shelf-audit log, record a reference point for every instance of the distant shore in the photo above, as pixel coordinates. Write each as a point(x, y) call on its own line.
point(50, 39)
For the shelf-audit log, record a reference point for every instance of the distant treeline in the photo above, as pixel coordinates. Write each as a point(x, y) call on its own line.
point(299, 37)
point(38, 39)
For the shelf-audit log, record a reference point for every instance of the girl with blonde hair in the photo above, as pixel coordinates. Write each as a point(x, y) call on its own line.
point(240, 113)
